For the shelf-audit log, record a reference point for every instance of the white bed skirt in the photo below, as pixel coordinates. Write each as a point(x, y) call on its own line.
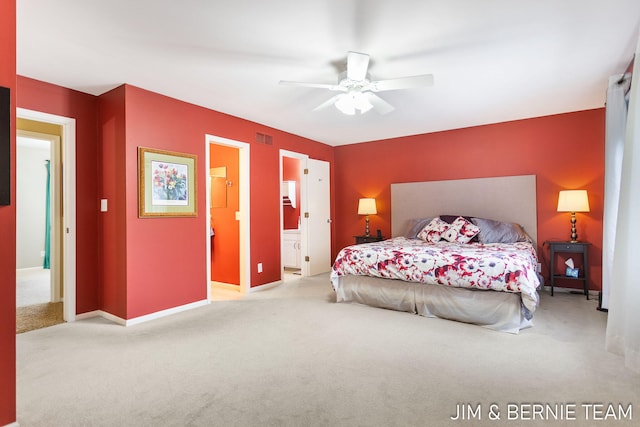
point(500, 311)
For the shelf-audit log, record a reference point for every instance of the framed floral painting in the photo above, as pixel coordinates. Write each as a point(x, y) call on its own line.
point(166, 183)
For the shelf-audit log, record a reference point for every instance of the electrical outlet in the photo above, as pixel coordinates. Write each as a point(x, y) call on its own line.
point(259, 267)
point(539, 268)
point(41, 254)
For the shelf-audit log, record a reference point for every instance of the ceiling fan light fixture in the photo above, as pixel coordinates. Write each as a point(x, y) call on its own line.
point(362, 103)
point(345, 104)
point(349, 102)
point(358, 91)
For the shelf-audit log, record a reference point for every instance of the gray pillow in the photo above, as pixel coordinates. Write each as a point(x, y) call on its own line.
point(415, 226)
point(492, 231)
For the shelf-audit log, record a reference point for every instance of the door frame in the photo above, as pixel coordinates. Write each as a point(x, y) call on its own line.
point(244, 215)
point(304, 267)
point(68, 143)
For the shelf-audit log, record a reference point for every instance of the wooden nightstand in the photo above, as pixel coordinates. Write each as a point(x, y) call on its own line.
point(581, 248)
point(368, 239)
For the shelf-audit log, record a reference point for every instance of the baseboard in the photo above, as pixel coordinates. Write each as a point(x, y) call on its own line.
point(14, 424)
point(113, 318)
point(265, 286)
point(141, 319)
point(88, 315)
point(164, 313)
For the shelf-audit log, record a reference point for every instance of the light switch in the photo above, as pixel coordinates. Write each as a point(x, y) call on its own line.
point(103, 205)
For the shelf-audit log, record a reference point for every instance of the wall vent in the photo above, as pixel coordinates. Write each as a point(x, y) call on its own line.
point(264, 138)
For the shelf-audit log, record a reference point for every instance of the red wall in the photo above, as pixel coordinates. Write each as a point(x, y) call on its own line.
point(165, 257)
point(564, 151)
point(8, 228)
point(225, 248)
point(113, 184)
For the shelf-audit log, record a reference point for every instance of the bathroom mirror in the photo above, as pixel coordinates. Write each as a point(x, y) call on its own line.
point(218, 177)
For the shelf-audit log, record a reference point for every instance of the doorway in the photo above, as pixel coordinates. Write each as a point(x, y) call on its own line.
point(38, 228)
point(62, 260)
point(38, 225)
point(313, 234)
point(291, 217)
point(227, 213)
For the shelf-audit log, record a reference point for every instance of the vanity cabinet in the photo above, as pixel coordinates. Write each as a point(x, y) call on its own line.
point(291, 249)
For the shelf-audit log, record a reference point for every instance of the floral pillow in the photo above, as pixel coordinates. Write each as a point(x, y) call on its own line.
point(461, 230)
point(432, 232)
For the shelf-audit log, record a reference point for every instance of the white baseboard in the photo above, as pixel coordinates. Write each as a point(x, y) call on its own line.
point(88, 315)
point(265, 286)
point(141, 319)
point(115, 319)
point(13, 424)
point(167, 312)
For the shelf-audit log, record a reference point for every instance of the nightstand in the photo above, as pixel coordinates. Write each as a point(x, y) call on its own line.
point(368, 239)
point(581, 248)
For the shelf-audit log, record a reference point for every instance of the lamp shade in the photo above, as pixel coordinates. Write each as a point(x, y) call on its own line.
point(367, 207)
point(573, 201)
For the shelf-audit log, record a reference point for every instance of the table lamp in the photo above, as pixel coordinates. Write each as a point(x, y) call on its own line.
point(367, 207)
point(573, 201)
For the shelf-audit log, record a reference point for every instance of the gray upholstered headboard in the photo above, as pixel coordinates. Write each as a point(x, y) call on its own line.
point(509, 199)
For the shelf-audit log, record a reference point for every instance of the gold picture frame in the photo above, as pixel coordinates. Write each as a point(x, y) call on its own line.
point(166, 184)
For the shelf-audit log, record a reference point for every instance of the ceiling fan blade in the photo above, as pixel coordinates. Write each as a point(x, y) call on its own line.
point(380, 105)
point(327, 103)
point(402, 83)
point(314, 85)
point(357, 65)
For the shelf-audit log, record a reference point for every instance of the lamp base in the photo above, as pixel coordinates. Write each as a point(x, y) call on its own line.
point(366, 227)
point(574, 233)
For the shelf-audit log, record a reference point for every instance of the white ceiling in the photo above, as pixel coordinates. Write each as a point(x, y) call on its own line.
point(493, 60)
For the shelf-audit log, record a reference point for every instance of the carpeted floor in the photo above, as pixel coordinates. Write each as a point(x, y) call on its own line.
point(33, 286)
point(291, 356)
point(38, 316)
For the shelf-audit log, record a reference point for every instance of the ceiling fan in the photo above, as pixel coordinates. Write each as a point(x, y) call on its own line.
point(358, 92)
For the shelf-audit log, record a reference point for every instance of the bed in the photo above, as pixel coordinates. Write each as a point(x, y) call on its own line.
point(484, 273)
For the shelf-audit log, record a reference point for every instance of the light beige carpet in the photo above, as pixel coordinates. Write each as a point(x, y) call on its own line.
point(38, 316)
point(290, 356)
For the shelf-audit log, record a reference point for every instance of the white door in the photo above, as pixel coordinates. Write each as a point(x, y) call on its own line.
point(317, 251)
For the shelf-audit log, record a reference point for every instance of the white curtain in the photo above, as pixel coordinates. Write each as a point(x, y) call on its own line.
point(616, 127)
point(623, 327)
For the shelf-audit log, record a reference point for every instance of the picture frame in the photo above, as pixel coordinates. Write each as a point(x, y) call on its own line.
point(166, 184)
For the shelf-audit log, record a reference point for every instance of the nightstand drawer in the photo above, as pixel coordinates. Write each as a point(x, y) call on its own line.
point(368, 239)
point(568, 247)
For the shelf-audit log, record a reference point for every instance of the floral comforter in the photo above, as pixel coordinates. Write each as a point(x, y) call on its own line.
point(508, 267)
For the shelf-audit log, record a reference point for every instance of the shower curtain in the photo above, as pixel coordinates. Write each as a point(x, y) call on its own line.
point(47, 220)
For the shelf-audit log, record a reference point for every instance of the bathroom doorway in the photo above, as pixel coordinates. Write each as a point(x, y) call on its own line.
point(227, 166)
